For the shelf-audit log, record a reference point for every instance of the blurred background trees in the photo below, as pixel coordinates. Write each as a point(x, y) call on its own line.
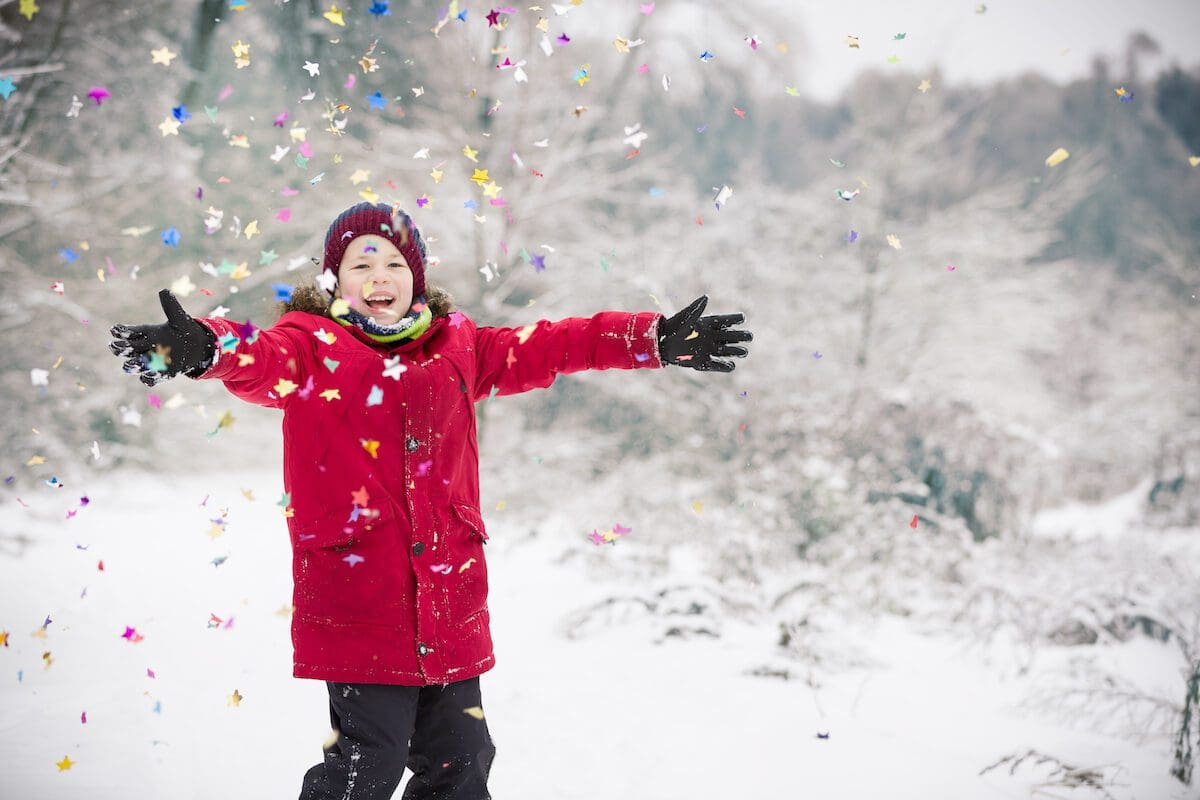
point(1028, 335)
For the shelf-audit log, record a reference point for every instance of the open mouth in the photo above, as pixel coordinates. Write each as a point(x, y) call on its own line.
point(380, 301)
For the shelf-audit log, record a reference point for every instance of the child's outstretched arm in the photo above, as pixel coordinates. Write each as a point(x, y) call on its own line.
point(512, 360)
point(261, 368)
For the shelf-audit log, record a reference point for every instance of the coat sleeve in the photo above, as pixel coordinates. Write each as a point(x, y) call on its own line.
point(512, 360)
point(265, 368)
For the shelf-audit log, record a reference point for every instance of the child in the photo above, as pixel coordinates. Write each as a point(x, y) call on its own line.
point(377, 378)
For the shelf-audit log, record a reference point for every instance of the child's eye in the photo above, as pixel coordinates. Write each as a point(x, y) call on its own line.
point(397, 264)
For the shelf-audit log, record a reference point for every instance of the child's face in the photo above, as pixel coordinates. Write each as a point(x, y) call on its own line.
point(375, 279)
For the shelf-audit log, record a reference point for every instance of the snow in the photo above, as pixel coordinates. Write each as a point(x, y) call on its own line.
point(1109, 520)
point(607, 713)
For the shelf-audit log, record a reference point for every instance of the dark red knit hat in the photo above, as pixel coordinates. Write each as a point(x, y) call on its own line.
point(383, 220)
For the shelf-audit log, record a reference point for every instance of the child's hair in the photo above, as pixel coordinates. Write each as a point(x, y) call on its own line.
point(311, 298)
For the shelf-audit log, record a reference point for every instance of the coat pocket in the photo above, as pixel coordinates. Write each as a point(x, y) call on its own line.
point(471, 518)
point(352, 571)
point(468, 594)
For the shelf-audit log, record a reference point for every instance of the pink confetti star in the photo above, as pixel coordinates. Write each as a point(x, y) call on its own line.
point(99, 94)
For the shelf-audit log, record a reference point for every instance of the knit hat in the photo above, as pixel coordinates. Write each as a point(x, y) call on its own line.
point(385, 221)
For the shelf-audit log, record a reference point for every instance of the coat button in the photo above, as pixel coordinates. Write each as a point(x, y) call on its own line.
point(422, 649)
point(411, 444)
point(418, 548)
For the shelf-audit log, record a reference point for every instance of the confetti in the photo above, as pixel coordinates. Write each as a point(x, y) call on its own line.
point(1057, 157)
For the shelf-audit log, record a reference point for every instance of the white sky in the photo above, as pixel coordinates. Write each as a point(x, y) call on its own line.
point(1057, 38)
point(1011, 37)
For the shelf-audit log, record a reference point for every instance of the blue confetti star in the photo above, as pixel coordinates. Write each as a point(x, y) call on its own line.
point(283, 292)
point(380, 9)
point(7, 87)
point(68, 254)
point(471, 204)
point(170, 237)
point(180, 113)
point(706, 56)
point(377, 100)
point(539, 262)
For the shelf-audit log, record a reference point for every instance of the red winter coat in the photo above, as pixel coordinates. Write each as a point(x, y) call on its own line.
point(381, 466)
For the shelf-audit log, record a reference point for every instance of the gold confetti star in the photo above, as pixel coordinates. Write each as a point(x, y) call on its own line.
point(480, 177)
point(369, 195)
point(469, 153)
point(235, 699)
point(334, 15)
point(491, 190)
point(360, 176)
point(368, 64)
point(436, 175)
point(169, 127)
point(251, 229)
point(241, 54)
point(162, 55)
point(329, 395)
point(925, 86)
point(371, 446)
point(65, 764)
point(285, 387)
point(27, 9)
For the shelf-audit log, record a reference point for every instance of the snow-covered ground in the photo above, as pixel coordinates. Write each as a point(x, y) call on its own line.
point(606, 715)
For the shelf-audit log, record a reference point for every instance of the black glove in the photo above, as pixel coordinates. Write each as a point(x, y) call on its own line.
point(690, 340)
point(183, 345)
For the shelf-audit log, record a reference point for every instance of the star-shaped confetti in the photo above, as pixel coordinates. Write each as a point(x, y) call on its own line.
point(241, 54)
point(162, 55)
point(392, 368)
point(469, 153)
point(312, 69)
point(371, 446)
point(285, 387)
point(65, 764)
point(329, 395)
point(27, 9)
point(334, 15)
point(375, 396)
point(924, 86)
point(99, 94)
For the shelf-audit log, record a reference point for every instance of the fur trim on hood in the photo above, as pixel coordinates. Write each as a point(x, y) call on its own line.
point(312, 299)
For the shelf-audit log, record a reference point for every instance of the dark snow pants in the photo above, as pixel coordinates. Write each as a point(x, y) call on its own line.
point(385, 728)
